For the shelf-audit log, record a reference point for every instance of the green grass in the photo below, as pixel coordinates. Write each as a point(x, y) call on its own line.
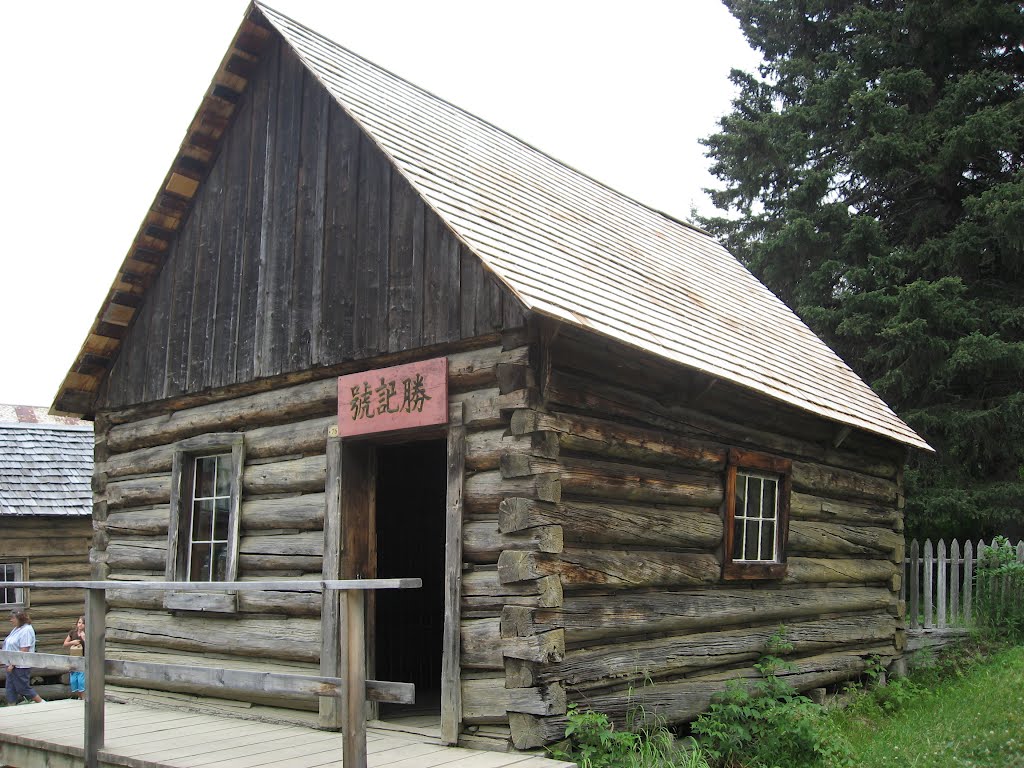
point(969, 715)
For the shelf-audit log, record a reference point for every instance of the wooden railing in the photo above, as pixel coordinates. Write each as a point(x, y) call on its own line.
point(940, 584)
point(351, 686)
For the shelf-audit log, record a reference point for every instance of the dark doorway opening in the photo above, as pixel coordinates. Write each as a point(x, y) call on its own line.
point(409, 628)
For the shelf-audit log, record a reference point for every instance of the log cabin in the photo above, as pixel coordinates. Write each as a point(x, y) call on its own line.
point(45, 522)
point(361, 332)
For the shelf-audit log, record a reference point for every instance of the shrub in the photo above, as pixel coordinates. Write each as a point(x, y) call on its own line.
point(592, 741)
point(883, 700)
point(768, 725)
point(999, 592)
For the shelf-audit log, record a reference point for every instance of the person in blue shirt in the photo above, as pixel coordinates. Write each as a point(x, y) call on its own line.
point(21, 638)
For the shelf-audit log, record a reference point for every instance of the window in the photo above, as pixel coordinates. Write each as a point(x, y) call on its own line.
point(11, 597)
point(210, 510)
point(757, 489)
point(202, 537)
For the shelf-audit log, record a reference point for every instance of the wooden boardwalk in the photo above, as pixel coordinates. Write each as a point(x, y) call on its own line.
point(50, 735)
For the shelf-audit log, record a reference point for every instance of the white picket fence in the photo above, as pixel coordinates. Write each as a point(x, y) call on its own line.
point(939, 583)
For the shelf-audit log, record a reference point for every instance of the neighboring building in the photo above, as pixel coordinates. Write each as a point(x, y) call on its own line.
point(45, 516)
point(646, 465)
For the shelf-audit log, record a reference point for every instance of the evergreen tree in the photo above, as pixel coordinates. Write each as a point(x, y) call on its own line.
point(873, 178)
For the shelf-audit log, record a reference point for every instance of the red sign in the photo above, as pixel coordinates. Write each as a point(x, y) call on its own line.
point(393, 399)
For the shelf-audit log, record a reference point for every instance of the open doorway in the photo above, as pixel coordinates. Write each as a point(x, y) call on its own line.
point(410, 522)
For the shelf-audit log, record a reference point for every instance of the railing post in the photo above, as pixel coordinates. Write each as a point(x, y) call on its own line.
point(354, 734)
point(95, 652)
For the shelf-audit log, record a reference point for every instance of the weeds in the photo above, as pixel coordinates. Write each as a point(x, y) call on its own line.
point(592, 741)
point(769, 725)
point(966, 709)
point(999, 584)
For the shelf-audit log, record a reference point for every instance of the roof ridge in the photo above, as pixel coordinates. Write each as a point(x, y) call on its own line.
point(45, 425)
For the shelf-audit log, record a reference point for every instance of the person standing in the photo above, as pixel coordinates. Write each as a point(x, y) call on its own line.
point(21, 638)
point(75, 643)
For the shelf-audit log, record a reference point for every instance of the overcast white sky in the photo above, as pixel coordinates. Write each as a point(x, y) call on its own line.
point(97, 97)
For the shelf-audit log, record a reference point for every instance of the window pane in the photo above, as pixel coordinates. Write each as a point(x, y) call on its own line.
point(205, 543)
point(741, 495)
point(220, 526)
point(224, 476)
point(750, 551)
point(220, 562)
point(206, 476)
point(737, 540)
point(200, 566)
point(767, 540)
point(10, 572)
point(753, 497)
point(202, 520)
point(768, 496)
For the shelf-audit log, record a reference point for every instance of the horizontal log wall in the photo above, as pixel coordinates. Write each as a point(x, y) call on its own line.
point(52, 548)
point(282, 525)
point(591, 541)
point(637, 455)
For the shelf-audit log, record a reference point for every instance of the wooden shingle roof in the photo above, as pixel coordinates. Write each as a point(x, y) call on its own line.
point(45, 470)
point(576, 250)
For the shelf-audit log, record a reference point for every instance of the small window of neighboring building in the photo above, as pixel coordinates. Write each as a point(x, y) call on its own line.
point(202, 537)
point(12, 597)
point(757, 490)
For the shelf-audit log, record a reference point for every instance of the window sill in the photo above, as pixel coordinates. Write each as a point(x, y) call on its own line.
point(753, 571)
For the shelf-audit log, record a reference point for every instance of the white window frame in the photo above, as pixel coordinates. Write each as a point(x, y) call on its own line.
point(189, 509)
point(745, 476)
point(20, 593)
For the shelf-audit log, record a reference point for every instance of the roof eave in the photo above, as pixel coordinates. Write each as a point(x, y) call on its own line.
point(911, 439)
point(77, 394)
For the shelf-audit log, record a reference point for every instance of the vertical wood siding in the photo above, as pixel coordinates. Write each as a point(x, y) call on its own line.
point(304, 248)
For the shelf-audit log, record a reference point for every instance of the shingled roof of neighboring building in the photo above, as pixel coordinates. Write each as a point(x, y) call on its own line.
point(565, 245)
point(45, 464)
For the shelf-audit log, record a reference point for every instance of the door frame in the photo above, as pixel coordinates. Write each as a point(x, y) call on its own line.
point(350, 552)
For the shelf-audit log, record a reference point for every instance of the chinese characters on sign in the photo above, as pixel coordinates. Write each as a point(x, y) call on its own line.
point(391, 399)
point(367, 403)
